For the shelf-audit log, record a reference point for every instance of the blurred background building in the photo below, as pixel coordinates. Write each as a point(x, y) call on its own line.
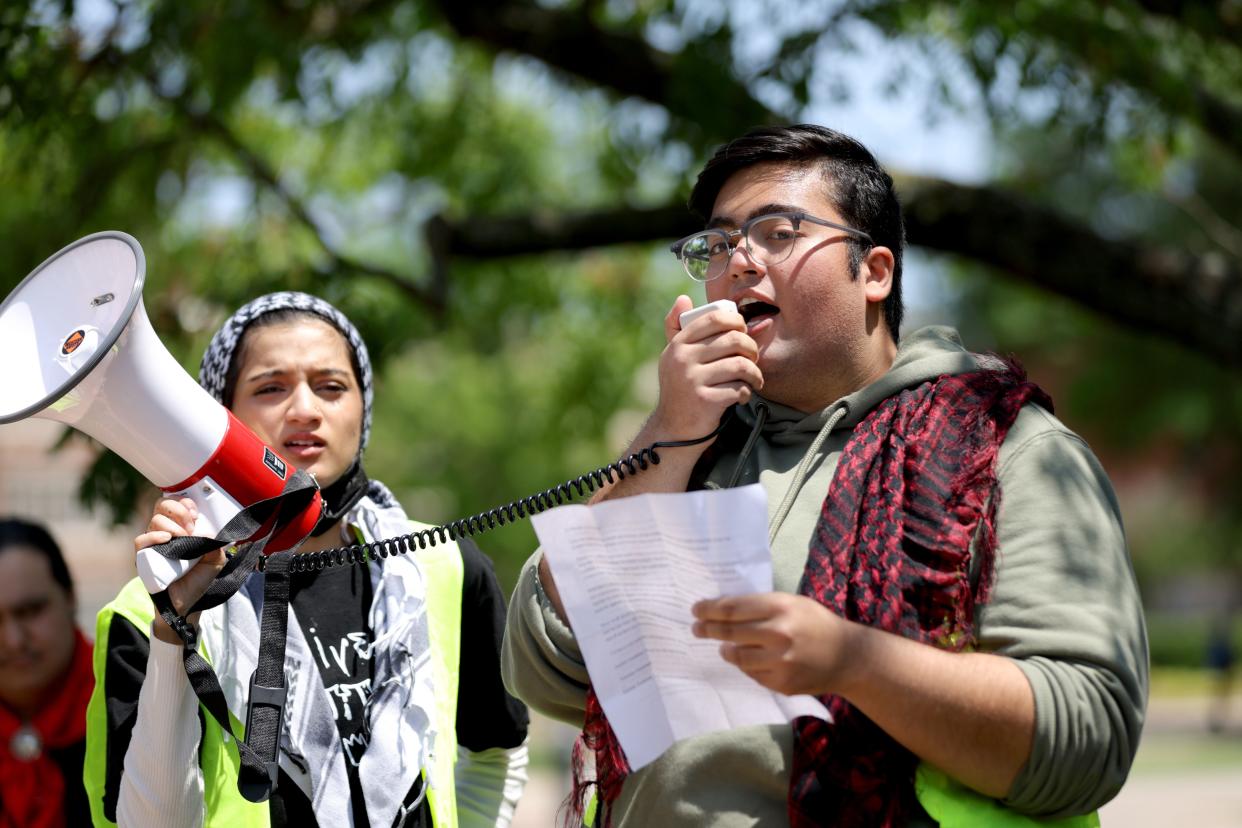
point(40, 483)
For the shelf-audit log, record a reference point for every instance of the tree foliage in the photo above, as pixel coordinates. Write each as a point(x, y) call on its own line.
point(483, 188)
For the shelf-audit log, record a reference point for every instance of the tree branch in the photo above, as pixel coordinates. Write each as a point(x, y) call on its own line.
point(1218, 20)
point(433, 299)
point(1195, 300)
point(627, 64)
point(1190, 298)
point(1180, 95)
point(624, 62)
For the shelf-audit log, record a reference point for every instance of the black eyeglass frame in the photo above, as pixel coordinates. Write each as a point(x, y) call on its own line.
point(743, 233)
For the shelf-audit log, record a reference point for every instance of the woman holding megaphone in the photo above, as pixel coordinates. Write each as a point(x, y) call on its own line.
point(392, 668)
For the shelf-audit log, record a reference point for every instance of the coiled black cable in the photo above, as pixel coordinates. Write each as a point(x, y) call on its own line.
point(361, 553)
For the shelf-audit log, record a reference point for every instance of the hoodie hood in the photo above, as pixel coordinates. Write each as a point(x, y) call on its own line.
point(922, 355)
point(794, 446)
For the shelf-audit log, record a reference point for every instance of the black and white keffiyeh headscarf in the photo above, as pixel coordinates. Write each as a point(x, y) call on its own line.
point(218, 358)
point(218, 361)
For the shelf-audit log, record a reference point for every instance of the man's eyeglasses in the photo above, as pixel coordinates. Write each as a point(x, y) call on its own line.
point(769, 241)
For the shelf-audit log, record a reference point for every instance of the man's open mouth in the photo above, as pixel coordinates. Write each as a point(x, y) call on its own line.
point(753, 309)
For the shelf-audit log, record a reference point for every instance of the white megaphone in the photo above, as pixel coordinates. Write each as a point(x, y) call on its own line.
point(81, 351)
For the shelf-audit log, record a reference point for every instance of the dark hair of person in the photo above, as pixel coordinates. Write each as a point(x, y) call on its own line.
point(283, 316)
point(16, 532)
point(857, 186)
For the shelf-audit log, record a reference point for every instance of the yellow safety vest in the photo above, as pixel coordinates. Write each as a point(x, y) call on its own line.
point(224, 806)
point(953, 805)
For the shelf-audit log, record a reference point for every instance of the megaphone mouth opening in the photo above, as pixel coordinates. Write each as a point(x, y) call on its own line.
point(38, 315)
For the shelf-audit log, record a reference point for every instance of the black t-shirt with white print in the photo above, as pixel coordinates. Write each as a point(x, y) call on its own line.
point(487, 716)
point(331, 607)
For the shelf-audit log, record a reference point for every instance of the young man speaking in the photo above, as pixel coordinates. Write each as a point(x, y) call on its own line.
point(950, 569)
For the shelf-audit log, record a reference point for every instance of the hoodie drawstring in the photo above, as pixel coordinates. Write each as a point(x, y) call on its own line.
point(761, 417)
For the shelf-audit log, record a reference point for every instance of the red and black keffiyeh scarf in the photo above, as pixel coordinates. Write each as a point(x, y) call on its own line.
point(915, 484)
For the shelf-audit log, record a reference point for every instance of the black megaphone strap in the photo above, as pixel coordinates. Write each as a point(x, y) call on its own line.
point(259, 751)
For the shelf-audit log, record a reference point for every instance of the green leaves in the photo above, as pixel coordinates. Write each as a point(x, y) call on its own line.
point(308, 144)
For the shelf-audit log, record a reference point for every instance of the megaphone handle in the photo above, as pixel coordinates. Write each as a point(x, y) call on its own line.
point(215, 509)
point(158, 572)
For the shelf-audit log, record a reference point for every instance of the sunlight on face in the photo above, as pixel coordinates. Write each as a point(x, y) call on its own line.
point(818, 335)
point(296, 389)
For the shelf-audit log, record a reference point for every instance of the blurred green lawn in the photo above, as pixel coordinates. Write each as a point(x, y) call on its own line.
point(1177, 737)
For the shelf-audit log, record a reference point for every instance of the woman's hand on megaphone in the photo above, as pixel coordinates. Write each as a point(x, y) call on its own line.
point(175, 518)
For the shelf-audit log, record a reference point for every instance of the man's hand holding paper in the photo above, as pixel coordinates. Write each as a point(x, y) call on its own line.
point(788, 643)
point(629, 571)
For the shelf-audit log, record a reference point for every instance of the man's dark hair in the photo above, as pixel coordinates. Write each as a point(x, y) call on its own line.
point(857, 186)
point(18, 532)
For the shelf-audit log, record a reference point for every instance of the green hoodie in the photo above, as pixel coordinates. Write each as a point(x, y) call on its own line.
point(1064, 606)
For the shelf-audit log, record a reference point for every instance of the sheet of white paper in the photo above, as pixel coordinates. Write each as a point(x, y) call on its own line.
point(628, 571)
